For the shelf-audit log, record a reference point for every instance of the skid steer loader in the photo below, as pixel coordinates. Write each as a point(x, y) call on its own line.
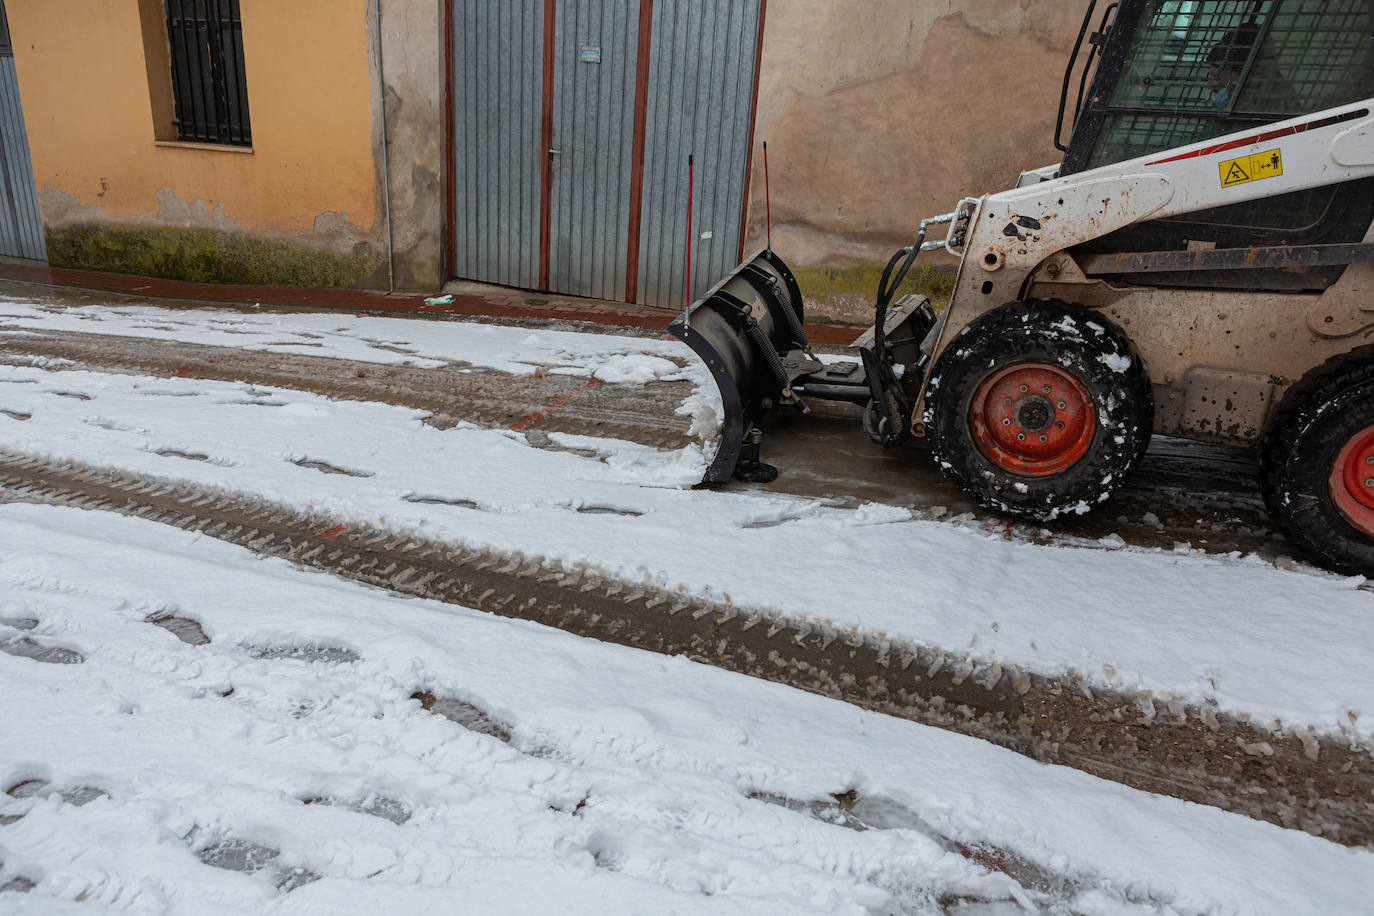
point(1199, 265)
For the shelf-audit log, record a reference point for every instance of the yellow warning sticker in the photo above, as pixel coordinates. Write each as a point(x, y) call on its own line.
point(1251, 168)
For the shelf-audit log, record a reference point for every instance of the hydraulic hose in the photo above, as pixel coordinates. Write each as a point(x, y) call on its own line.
point(886, 289)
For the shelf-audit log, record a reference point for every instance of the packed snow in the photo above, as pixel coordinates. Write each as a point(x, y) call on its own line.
point(275, 761)
point(1234, 633)
point(582, 777)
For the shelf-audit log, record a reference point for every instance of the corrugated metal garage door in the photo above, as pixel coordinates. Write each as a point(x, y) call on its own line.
point(498, 51)
point(595, 50)
point(601, 211)
point(701, 89)
point(21, 227)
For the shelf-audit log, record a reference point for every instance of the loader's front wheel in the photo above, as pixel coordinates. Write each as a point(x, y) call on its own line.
point(1038, 408)
point(1318, 471)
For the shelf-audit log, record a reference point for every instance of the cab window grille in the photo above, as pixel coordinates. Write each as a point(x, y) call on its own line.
point(1198, 69)
point(210, 91)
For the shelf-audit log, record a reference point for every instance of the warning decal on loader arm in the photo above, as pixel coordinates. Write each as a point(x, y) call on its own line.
point(1250, 168)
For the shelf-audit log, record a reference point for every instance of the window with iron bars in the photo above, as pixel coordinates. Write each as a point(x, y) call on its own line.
point(210, 91)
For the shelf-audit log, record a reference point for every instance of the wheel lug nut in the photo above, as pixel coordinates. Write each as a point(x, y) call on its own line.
point(1006, 421)
point(1006, 402)
point(1044, 438)
point(1061, 405)
point(1024, 388)
point(1369, 482)
point(1046, 389)
point(1369, 460)
point(1059, 425)
point(1021, 437)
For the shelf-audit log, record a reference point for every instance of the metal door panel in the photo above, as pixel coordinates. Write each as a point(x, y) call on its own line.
point(497, 103)
point(700, 96)
point(595, 49)
point(21, 226)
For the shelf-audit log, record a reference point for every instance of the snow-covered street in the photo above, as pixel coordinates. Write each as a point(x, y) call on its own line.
point(583, 776)
point(626, 782)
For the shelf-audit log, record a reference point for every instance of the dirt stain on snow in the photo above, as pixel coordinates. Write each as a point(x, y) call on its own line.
point(330, 655)
point(76, 796)
point(249, 857)
point(325, 467)
point(463, 713)
point(28, 788)
point(376, 805)
point(51, 655)
point(609, 510)
point(183, 628)
point(770, 522)
point(443, 501)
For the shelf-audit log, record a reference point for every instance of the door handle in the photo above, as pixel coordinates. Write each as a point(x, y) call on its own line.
point(553, 151)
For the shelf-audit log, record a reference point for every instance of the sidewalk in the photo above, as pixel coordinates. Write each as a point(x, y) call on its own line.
point(475, 300)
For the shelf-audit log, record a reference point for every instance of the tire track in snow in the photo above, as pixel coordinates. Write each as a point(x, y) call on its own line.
point(1148, 742)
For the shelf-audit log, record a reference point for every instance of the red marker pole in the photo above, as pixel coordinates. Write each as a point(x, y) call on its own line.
point(767, 201)
point(689, 233)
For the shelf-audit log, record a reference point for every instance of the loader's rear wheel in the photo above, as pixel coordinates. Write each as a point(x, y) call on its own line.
point(1318, 471)
point(1038, 408)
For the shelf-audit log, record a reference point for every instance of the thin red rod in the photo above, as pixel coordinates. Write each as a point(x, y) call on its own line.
point(689, 232)
point(767, 202)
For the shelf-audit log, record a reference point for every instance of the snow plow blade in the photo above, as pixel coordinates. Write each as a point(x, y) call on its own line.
point(739, 328)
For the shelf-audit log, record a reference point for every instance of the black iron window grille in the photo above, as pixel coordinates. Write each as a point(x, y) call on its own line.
point(205, 43)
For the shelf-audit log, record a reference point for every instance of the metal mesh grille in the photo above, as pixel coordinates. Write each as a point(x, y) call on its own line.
point(1318, 54)
point(1201, 68)
point(1167, 66)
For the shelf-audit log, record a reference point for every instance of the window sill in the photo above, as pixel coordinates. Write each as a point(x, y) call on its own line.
point(211, 147)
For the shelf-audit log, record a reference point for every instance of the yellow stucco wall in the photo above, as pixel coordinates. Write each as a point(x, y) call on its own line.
point(85, 93)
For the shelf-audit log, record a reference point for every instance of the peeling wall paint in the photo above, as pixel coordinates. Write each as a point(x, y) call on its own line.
point(881, 113)
point(413, 60)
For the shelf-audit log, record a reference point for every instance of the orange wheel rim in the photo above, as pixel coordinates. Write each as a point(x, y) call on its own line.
point(1032, 419)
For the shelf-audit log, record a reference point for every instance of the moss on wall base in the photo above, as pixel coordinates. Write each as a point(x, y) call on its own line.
point(207, 256)
point(845, 294)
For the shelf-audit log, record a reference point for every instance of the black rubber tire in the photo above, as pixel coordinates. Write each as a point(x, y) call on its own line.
point(1086, 345)
point(1295, 468)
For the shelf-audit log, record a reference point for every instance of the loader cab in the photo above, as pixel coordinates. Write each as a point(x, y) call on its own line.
point(1157, 74)
point(1166, 73)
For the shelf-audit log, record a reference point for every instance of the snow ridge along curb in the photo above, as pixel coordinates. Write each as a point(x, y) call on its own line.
point(1158, 744)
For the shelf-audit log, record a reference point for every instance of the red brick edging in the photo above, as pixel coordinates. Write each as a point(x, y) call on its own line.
point(531, 306)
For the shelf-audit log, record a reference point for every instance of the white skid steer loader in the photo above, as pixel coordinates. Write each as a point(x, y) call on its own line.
point(1200, 265)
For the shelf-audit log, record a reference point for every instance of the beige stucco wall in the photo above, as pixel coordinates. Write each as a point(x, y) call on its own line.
point(883, 112)
point(311, 173)
point(413, 62)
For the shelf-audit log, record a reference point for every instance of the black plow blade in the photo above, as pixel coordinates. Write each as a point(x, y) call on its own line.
point(739, 328)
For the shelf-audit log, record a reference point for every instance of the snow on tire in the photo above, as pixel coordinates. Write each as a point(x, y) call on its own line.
point(1318, 470)
point(1038, 409)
